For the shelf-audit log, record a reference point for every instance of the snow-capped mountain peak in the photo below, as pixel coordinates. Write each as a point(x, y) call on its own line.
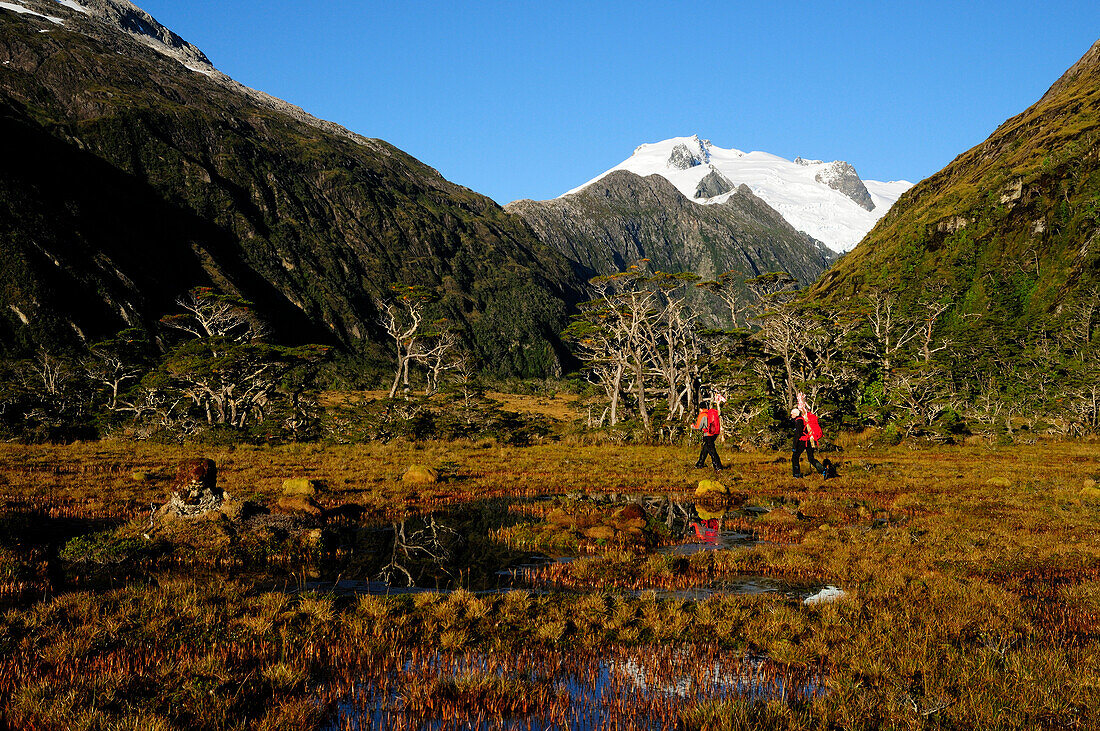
point(827, 200)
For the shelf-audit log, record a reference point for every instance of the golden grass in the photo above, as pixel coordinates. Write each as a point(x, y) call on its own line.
point(564, 407)
point(972, 572)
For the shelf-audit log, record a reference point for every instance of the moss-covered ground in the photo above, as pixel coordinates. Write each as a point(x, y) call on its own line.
point(972, 575)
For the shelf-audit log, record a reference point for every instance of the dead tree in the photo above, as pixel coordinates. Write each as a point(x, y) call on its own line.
point(404, 320)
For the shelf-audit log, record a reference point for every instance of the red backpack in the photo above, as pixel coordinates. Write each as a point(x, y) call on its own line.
point(812, 426)
point(714, 425)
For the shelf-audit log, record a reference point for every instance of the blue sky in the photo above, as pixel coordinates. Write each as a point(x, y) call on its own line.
point(529, 99)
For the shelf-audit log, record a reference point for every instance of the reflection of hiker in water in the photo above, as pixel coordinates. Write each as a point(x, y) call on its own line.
point(803, 440)
point(710, 423)
point(707, 527)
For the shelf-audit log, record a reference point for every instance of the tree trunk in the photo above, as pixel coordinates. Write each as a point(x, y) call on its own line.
point(639, 381)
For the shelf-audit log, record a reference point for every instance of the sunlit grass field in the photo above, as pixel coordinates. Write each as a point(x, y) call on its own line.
point(972, 575)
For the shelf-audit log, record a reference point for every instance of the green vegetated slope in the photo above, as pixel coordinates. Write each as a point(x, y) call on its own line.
point(127, 180)
point(1009, 231)
point(624, 217)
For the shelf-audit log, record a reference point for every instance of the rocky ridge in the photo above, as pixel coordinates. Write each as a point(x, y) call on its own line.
point(624, 217)
point(103, 18)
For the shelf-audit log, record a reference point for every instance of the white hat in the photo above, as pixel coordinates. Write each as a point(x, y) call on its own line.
point(795, 412)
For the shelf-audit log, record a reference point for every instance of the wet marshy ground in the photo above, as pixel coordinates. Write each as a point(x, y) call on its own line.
point(460, 548)
point(630, 688)
point(465, 546)
point(502, 597)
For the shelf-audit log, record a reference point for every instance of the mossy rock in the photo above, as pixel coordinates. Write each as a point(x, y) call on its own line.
point(300, 486)
point(419, 474)
point(138, 476)
point(711, 488)
point(999, 482)
point(599, 532)
point(298, 504)
point(1092, 493)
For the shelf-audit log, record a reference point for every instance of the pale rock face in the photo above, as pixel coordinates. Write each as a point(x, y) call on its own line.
point(93, 17)
point(682, 158)
point(714, 184)
point(138, 23)
point(841, 176)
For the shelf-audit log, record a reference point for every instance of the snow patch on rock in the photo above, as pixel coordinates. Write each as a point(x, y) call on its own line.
point(27, 11)
point(73, 5)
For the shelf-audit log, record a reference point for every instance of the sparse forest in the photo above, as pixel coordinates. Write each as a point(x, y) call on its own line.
point(646, 363)
point(875, 364)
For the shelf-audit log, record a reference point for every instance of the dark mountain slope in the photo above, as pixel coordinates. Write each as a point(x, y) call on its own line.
point(624, 217)
point(133, 179)
point(1009, 231)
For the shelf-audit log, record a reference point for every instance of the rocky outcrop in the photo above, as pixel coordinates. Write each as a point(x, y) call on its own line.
point(131, 19)
point(195, 490)
point(842, 177)
point(682, 158)
point(712, 185)
point(623, 217)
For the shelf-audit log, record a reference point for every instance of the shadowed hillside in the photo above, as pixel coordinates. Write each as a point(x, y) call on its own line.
point(131, 179)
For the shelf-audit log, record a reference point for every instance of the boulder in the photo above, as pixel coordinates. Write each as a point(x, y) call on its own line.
point(828, 595)
point(196, 475)
point(419, 474)
point(195, 490)
point(298, 504)
point(999, 482)
point(711, 488)
point(300, 486)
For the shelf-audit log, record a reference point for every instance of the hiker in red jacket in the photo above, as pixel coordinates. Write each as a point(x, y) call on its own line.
point(710, 423)
point(803, 441)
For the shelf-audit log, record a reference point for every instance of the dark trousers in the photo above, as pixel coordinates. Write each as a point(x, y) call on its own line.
point(708, 448)
point(799, 446)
